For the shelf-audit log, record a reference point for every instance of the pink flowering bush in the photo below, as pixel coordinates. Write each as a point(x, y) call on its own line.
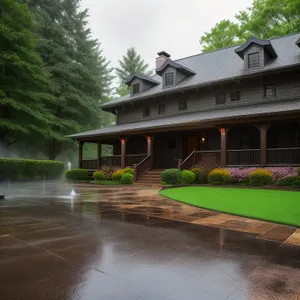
point(241, 174)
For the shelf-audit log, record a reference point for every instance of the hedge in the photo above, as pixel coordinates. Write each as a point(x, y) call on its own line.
point(171, 176)
point(127, 178)
point(78, 175)
point(18, 168)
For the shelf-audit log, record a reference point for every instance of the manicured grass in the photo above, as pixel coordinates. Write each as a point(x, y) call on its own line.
point(270, 205)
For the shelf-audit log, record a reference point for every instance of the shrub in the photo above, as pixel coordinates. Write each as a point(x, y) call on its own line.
point(127, 178)
point(200, 175)
point(219, 176)
point(77, 174)
point(98, 176)
point(282, 172)
point(117, 175)
point(298, 171)
point(129, 170)
point(107, 171)
point(188, 177)
point(287, 181)
point(171, 176)
point(260, 177)
point(17, 168)
point(296, 183)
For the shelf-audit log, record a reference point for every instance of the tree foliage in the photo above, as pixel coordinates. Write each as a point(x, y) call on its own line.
point(265, 19)
point(130, 64)
point(23, 80)
point(80, 74)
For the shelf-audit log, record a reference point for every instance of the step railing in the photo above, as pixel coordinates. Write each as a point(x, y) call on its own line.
point(142, 167)
point(189, 162)
point(132, 159)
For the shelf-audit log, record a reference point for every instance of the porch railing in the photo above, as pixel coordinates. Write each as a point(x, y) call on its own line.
point(112, 160)
point(283, 156)
point(142, 167)
point(89, 164)
point(209, 156)
point(243, 157)
point(189, 162)
point(132, 159)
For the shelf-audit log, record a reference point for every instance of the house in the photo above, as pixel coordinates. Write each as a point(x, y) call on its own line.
point(238, 106)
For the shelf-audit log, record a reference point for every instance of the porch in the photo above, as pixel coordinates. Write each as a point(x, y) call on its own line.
point(252, 144)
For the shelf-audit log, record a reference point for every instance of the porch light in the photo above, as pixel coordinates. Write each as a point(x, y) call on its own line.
point(149, 138)
point(123, 140)
point(203, 139)
point(222, 130)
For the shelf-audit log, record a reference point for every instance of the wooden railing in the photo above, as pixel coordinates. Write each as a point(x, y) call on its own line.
point(189, 162)
point(283, 156)
point(112, 160)
point(243, 157)
point(211, 156)
point(142, 167)
point(132, 159)
point(89, 164)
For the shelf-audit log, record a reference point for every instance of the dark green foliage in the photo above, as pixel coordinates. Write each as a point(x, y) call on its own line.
point(171, 176)
point(219, 176)
point(298, 171)
point(296, 184)
point(129, 170)
point(188, 177)
point(127, 178)
point(77, 175)
point(107, 171)
point(265, 19)
point(201, 175)
point(23, 80)
point(287, 181)
point(16, 168)
point(98, 176)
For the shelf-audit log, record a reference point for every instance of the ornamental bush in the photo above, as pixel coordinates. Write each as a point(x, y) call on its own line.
point(129, 170)
point(219, 176)
point(296, 184)
point(260, 177)
point(107, 171)
point(98, 176)
point(200, 175)
point(287, 181)
point(77, 175)
point(18, 168)
point(127, 178)
point(188, 177)
point(117, 175)
point(171, 176)
point(298, 171)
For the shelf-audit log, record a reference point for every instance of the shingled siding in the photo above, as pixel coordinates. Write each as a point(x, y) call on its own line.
point(251, 91)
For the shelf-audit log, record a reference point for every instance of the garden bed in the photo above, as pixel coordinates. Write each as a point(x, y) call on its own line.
point(264, 204)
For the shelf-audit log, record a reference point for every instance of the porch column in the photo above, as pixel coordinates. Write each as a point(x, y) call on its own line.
point(98, 154)
point(123, 152)
point(223, 132)
point(149, 145)
point(80, 144)
point(263, 143)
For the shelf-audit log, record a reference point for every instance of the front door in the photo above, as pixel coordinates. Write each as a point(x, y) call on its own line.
point(192, 143)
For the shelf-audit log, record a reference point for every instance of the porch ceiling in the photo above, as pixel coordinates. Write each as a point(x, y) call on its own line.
point(217, 116)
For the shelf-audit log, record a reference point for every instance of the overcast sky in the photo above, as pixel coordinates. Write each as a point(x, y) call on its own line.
point(154, 25)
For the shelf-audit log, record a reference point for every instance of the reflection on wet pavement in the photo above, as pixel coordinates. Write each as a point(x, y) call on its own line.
point(130, 243)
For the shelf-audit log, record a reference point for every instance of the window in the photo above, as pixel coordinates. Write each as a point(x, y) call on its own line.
point(235, 96)
point(182, 105)
point(146, 112)
point(135, 88)
point(161, 109)
point(169, 79)
point(270, 91)
point(220, 99)
point(172, 144)
point(253, 60)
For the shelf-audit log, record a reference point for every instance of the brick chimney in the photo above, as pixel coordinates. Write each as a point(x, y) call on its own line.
point(160, 60)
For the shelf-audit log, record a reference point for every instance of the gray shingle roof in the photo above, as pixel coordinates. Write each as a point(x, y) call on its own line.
point(218, 66)
point(175, 65)
point(142, 77)
point(195, 117)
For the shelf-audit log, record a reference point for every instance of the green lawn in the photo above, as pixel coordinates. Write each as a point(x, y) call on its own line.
point(270, 205)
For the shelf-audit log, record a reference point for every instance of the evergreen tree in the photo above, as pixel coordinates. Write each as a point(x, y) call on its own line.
point(130, 64)
point(80, 74)
point(23, 80)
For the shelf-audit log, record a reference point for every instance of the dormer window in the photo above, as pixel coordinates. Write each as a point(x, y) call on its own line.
point(253, 60)
point(169, 79)
point(161, 109)
point(135, 88)
point(146, 112)
point(270, 91)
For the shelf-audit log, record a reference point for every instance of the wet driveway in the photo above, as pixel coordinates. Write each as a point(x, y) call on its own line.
point(53, 246)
